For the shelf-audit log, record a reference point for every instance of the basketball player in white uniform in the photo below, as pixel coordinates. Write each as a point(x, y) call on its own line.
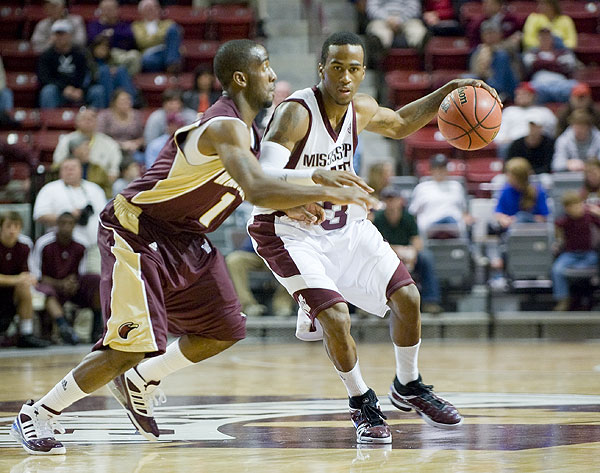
point(344, 258)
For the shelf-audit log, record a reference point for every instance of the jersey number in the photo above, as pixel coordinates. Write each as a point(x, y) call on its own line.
point(339, 219)
point(216, 209)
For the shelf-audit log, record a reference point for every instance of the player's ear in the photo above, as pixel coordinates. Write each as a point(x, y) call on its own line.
point(320, 70)
point(239, 78)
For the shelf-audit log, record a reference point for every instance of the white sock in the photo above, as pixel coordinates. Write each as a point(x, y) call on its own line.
point(353, 380)
point(61, 396)
point(161, 366)
point(26, 326)
point(407, 368)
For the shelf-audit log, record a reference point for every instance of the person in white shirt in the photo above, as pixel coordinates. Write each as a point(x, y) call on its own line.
point(579, 143)
point(439, 200)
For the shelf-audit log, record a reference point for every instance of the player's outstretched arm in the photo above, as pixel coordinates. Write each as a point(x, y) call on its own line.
point(231, 141)
point(411, 117)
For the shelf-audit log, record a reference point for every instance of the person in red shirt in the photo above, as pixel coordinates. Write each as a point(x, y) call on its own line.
point(441, 17)
point(574, 230)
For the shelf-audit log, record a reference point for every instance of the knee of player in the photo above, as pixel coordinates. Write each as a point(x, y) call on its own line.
point(406, 299)
point(335, 319)
point(23, 291)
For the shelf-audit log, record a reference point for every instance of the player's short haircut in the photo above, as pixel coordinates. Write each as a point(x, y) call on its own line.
point(232, 56)
point(339, 39)
point(11, 216)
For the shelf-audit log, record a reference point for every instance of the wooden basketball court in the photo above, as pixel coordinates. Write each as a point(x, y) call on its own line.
point(529, 406)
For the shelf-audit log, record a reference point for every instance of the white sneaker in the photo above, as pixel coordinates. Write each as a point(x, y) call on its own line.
point(34, 430)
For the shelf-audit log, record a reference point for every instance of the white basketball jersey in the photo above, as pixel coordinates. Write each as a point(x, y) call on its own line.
point(323, 148)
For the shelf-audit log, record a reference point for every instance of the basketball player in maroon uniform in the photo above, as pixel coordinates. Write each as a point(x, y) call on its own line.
point(159, 271)
point(314, 131)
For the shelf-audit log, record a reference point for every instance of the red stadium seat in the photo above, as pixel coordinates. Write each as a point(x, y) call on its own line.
point(194, 21)
point(490, 151)
point(447, 53)
point(16, 138)
point(407, 86)
point(24, 86)
point(198, 52)
point(12, 21)
point(479, 170)
point(424, 143)
point(88, 12)
point(456, 167)
point(58, 118)
point(591, 76)
point(405, 59)
point(231, 22)
point(522, 9)
point(153, 85)
point(29, 118)
point(33, 14)
point(17, 55)
point(584, 14)
point(129, 13)
point(588, 48)
point(470, 11)
point(440, 77)
point(45, 143)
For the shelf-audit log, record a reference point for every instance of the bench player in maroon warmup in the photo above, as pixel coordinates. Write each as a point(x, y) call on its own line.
point(159, 271)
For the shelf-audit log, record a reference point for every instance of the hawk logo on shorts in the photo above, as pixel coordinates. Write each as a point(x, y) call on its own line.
point(125, 328)
point(303, 304)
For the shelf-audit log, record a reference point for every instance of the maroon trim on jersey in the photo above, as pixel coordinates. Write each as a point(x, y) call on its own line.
point(317, 300)
point(297, 153)
point(400, 278)
point(326, 122)
point(270, 247)
point(354, 130)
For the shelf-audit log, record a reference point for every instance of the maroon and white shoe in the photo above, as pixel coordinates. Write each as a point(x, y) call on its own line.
point(368, 419)
point(420, 397)
point(138, 398)
point(34, 430)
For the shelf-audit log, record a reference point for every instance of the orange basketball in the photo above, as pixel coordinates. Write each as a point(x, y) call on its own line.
point(469, 118)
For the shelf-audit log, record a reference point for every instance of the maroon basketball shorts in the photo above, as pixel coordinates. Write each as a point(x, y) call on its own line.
point(177, 284)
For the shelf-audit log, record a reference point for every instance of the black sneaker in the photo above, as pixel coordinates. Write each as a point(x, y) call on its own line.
point(68, 335)
point(420, 397)
point(368, 419)
point(31, 341)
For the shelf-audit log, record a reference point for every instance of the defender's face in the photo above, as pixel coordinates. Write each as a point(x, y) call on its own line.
point(261, 79)
point(343, 72)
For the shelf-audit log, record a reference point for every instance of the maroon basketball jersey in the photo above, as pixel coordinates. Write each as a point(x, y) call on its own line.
point(14, 260)
point(185, 191)
point(59, 261)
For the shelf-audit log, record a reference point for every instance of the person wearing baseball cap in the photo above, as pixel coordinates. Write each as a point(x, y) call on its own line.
point(55, 10)
point(580, 99)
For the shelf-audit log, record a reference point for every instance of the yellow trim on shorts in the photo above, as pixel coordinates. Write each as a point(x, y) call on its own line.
point(128, 303)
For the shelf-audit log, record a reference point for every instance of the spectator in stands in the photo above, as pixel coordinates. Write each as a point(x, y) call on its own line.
point(579, 143)
point(550, 69)
point(59, 262)
point(16, 282)
point(104, 151)
point(550, 17)
point(240, 263)
point(379, 176)
point(204, 92)
point(516, 118)
point(104, 73)
point(580, 99)
point(440, 200)
point(535, 147)
point(399, 228)
point(496, 11)
point(123, 50)
point(156, 125)
point(492, 63)
point(130, 170)
point(574, 233)
point(63, 72)
point(16, 153)
point(393, 23)
point(441, 17)
point(591, 186)
point(79, 148)
point(174, 121)
point(6, 95)
point(55, 10)
point(71, 193)
point(158, 40)
point(124, 124)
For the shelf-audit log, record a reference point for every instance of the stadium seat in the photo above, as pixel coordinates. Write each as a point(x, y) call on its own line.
point(529, 251)
point(440, 77)
point(470, 11)
point(584, 14)
point(153, 85)
point(588, 48)
point(129, 13)
point(561, 183)
point(17, 55)
point(33, 14)
point(591, 76)
point(453, 265)
point(24, 86)
point(87, 11)
point(447, 53)
point(231, 22)
point(407, 86)
point(45, 143)
point(29, 118)
point(489, 151)
point(16, 138)
point(481, 169)
point(198, 52)
point(405, 184)
point(521, 9)
point(12, 21)
point(194, 21)
point(58, 118)
point(424, 143)
point(405, 59)
point(456, 169)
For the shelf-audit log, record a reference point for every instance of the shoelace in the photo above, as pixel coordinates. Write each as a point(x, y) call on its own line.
point(373, 414)
point(45, 427)
point(425, 391)
point(154, 396)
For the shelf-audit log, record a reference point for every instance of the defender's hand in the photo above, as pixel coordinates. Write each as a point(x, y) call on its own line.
point(339, 179)
point(310, 213)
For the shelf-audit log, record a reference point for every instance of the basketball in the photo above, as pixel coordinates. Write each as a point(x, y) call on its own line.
point(469, 118)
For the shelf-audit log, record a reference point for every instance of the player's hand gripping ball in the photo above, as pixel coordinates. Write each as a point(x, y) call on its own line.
point(469, 118)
